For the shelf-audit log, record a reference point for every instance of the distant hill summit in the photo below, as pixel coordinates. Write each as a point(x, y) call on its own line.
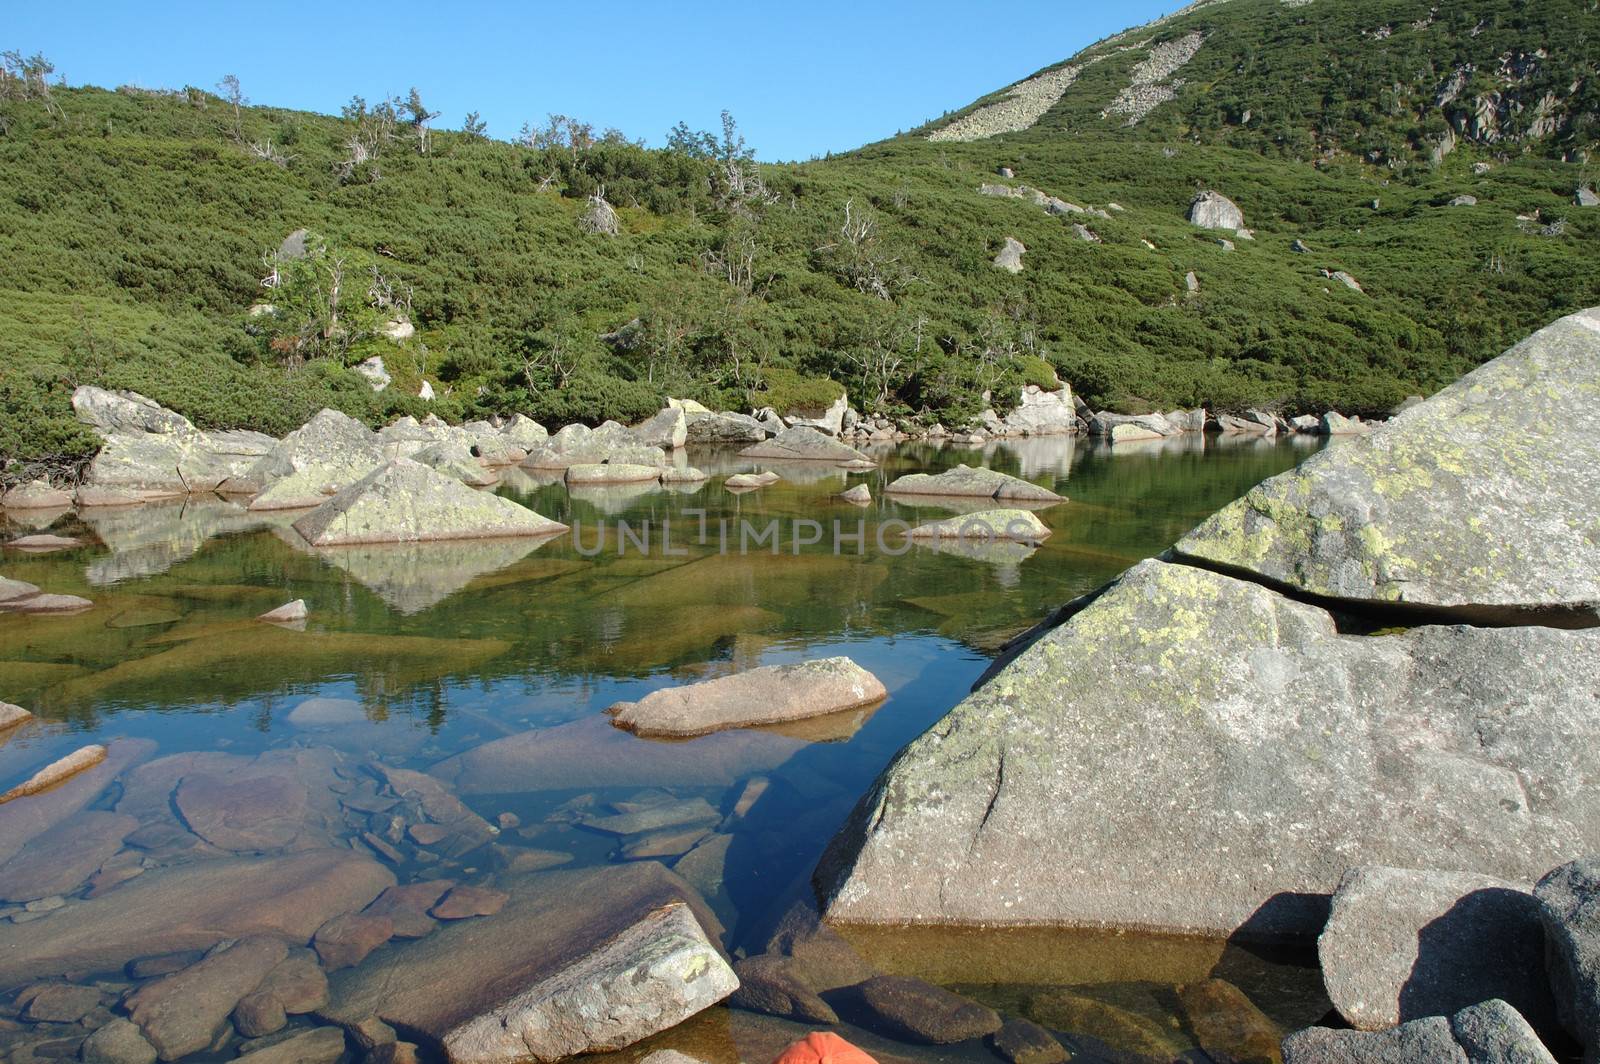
point(1250, 204)
point(1384, 80)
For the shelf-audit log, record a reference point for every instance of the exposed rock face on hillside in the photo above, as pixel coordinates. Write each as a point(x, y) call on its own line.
point(1024, 105)
point(1195, 752)
point(1463, 501)
point(1151, 87)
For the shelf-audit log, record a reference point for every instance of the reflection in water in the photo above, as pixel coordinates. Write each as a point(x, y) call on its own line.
point(461, 732)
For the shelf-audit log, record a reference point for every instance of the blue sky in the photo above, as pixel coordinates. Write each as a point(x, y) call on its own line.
point(801, 80)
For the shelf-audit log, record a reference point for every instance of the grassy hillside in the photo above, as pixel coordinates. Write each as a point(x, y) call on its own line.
point(133, 230)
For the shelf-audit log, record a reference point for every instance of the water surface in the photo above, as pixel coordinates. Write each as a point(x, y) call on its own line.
point(445, 647)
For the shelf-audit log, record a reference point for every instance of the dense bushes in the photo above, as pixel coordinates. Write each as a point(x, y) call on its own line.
point(135, 230)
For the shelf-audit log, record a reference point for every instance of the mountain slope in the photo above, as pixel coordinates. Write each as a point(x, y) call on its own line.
point(134, 230)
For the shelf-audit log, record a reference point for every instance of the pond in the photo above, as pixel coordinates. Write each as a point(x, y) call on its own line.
point(446, 658)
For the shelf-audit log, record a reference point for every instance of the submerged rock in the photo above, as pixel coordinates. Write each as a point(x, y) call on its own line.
point(1227, 1024)
point(1022, 1041)
point(804, 443)
point(773, 694)
point(63, 860)
point(1113, 771)
point(118, 1042)
point(1459, 503)
point(320, 1045)
point(921, 1012)
point(576, 962)
point(405, 501)
point(1402, 944)
point(184, 1012)
point(23, 821)
point(194, 906)
point(768, 984)
point(968, 481)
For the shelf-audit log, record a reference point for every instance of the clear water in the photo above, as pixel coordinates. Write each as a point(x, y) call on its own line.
point(449, 646)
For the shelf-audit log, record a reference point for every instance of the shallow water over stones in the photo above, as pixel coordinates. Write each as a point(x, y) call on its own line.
point(436, 735)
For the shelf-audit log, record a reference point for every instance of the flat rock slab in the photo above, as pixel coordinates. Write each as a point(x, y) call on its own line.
point(256, 814)
point(1404, 944)
point(405, 501)
point(49, 604)
point(1465, 501)
point(656, 816)
point(772, 694)
point(64, 859)
point(576, 962)
point(967, 481)
point(806, 444)
point(195, 906)
point(27, 819)
point(1020, 525)
point(184, 1012)
point(1114, 771)
point(916, 1011)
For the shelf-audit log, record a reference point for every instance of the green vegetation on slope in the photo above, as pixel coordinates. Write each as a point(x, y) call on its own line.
point(135, 229)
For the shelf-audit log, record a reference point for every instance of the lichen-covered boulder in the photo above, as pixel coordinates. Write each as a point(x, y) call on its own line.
point(405, 501)
point(1021, 525)
point(581, 445)
point(970, 481)
point(1468, 501)
point(1116, 771)
point(327, 453)
point(1213, 210)
point(804, 443)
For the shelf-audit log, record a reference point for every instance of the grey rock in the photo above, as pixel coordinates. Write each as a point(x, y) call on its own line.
point(1426, 1041)
point(804, 443)
point(1401, 944)
point(1020, 525)
point(320, 1045)
point(706, 427)
point(1495, 1033)
point(1227, 1024)
point(524, 432)
point(35, 495)
point(1569, 908)
point(455, 460)
point(861, 495)
point(1156, 425)
point(581, 445)
point(376, 373)
point(405, 501)
point(1586, 197)
point(1299, 247)
point(62, 860)
point(1336, 424)
point(830, 422)
point(110, 412)
point(1010, 257)
point(976, 482)
point(916, 1011)
point(1040, 413)
point(327, 453)
point(576, 962)
point(1462, 502)
point(118, 1042)
point(768, 984)
point(1213, 210)
point(293, 245)
point(1113, 771)
point(1025, 1042)
point(1464, 201)
point(667, 430)
point(821, 957)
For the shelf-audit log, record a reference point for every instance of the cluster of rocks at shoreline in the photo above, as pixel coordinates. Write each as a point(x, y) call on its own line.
point(1366, 689)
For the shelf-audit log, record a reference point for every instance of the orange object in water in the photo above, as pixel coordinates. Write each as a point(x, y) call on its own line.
point(823, 1047)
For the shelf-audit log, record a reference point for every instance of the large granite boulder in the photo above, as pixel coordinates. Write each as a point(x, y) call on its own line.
point(967, 481)
point(773, 694)
point(1403, 944)
point(576, 962)
point(1041, 413)
point(1569, 908)
point(1155, 426)
point(706, 427)
point(151, 452)
point(326, 454)
point(194, 906)
point(1488, 1033)
point(1020, 525)
point(829, 421)
point(1213, 210)
point(1116, 770)
point(668, 429)
point(1465, 502)
point(581, 445)
point(406, 502)
point(806, 444)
